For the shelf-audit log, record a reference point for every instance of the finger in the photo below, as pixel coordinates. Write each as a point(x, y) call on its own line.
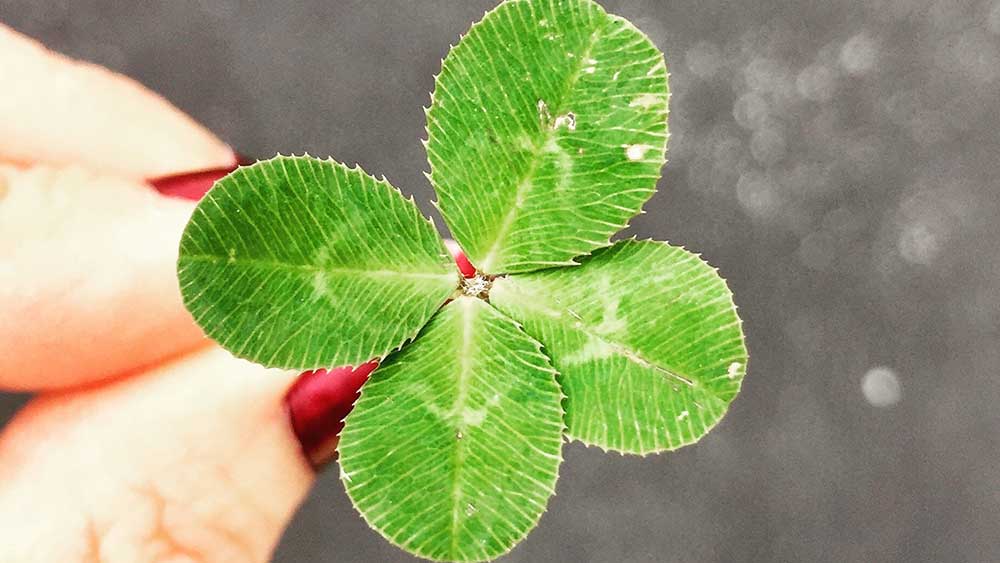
point(88, 288)
point(57, 110)
point(195, 461)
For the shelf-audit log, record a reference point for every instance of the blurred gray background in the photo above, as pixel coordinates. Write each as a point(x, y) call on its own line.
point(837, 160)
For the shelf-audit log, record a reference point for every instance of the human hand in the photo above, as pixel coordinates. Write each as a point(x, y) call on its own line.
point(146, 442)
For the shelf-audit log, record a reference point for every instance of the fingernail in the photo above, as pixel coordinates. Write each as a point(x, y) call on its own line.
point(194, 185)
point(318, 402)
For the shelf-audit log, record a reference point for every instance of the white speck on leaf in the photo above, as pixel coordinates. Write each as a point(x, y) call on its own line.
point(636, 152)
point(524, 143)
point(684, 414)
point(611, 323)
point(645, 101)
point(320, 284)
point(473, 417)
point(594, 349)
point(543, 113)
point(568, 121)
point(734, 370)
point(564, 163)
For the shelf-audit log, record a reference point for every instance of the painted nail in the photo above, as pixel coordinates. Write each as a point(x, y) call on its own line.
point(318, 402)
point(194, 185)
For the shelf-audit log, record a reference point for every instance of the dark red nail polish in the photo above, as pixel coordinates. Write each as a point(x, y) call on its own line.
point(317, 405)
point(194, 185)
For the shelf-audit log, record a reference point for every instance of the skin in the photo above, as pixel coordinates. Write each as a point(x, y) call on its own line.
point(145, 443)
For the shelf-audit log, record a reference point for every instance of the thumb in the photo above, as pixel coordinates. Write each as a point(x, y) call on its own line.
point(195, 460)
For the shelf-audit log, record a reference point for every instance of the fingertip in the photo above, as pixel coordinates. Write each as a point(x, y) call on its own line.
point(198, 451)
point(87, 278)
point(59, 111)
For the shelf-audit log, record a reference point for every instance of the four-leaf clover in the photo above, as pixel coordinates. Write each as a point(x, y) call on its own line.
point(546, 134)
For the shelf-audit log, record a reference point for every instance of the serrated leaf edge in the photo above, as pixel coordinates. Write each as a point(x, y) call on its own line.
point(570, 437)
point(540, 350)
point(379, 181)
point(429, 175)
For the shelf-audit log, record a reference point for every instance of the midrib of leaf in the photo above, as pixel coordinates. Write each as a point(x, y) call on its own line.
point(461, 398)
point(313, 269)
point(525, 184)
point(404, 466)
point(627, 352)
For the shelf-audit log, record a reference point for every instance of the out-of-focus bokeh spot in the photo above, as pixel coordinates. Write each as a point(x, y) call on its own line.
point(881, 387)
